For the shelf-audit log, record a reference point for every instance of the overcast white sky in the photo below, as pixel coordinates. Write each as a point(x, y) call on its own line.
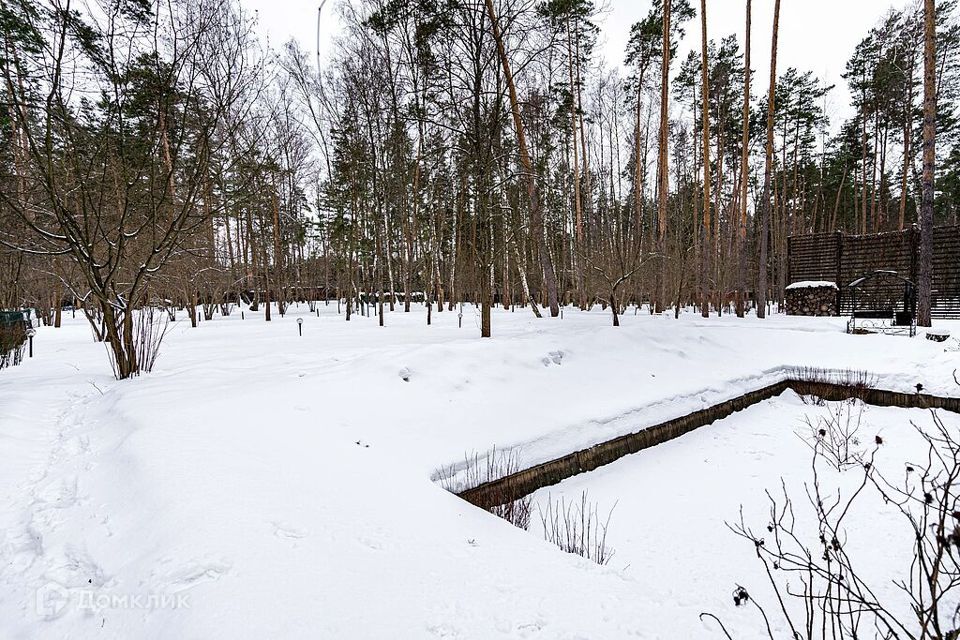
point(815, 35)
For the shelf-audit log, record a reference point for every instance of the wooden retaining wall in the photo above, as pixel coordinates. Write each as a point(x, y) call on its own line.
point(517, 485)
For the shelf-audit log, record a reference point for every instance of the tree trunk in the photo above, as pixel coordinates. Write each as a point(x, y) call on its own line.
point(536, 216)
point(744, 175)
point(907, 143)
point(705, 101)
point(924, 299)
point(768, 171)
point(663, 171)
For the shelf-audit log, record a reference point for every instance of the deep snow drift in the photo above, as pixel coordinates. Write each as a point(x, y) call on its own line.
point(261, 484)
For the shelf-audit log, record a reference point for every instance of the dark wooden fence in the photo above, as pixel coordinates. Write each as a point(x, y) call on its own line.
point(843, 258)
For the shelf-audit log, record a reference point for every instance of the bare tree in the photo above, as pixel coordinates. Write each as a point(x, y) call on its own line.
point(117, 186)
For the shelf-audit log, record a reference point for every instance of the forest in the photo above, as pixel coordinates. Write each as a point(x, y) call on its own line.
point(478, 321)
point(160, 156)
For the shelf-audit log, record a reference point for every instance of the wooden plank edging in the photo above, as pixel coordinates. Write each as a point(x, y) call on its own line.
point(522, 483)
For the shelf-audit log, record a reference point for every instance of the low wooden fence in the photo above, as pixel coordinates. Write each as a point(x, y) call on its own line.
point(517, 485)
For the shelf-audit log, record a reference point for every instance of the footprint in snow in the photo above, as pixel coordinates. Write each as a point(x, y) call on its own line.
point(193, 574)
point(555, 357)
point(75, 568)
point(59, 494)
point(284, 530)
point(76, 446)
point(372, 542)
point(444, 630)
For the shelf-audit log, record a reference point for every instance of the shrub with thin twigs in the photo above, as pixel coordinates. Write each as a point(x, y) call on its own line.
point(835, 433)
point(577, 528)
point(149, 328)
point(821, 382)
point(817, 566)
point(477, 469)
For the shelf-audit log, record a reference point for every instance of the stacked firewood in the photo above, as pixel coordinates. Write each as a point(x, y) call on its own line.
point(811, 301)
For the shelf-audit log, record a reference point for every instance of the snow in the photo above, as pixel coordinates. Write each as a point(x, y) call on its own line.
point(281, 485)
point(812, 284)
point(671, 509)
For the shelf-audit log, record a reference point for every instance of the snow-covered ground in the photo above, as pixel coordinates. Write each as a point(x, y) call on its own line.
point(261, 484)
point(671, 510)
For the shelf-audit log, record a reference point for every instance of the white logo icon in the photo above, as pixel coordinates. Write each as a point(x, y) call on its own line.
point(51, 600)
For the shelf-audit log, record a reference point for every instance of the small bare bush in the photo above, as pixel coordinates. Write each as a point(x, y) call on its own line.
point(577, 528)
point(820, 590)
point(516, 512)
point(834, 436)
point(477, 469)
point(149, 330)
point(149, 327)
point(822, 383)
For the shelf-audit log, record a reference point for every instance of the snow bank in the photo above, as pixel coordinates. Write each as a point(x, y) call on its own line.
point(812, 284)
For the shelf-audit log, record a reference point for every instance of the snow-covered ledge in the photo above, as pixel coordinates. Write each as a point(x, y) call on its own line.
point(812, 284)
point(812, 298)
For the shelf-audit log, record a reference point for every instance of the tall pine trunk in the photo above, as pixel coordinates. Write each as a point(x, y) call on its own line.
point(744, 174)
point(536, 216)
point(924, 301)
point(768, 172)
point(663, 171)
point(705, 102)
